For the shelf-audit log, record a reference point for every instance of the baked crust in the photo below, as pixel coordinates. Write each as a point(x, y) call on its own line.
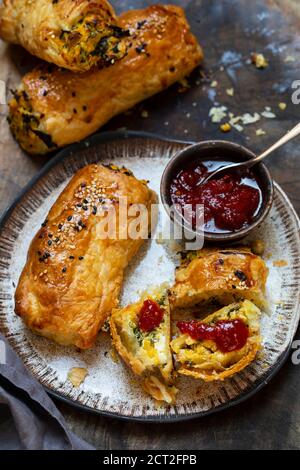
point(220, 275)
point(148, 355)
point(76, 35)
point(73, 275)
point(211, 364)
point(53, 107)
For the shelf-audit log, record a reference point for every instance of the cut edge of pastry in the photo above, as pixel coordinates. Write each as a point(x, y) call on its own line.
point(156, 379)
point(251, 348)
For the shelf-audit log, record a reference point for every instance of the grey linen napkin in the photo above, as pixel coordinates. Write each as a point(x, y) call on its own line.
point(30, 419)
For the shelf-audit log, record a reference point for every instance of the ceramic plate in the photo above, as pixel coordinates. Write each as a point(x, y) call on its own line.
point(109, 387)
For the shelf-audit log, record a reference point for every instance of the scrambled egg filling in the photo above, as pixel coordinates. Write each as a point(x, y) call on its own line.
point(204, 355)
point(151, 348)
point(89, 43)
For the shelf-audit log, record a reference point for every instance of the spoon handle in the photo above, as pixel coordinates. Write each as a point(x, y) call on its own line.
point(289, 136)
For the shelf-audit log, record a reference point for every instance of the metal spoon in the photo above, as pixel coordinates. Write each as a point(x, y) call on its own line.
point(249, 163)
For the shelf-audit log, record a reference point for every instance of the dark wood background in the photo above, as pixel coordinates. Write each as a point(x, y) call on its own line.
point(229, 31)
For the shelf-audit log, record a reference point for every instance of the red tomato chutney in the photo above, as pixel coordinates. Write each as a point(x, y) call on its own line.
point(150, 316)
point(229, 335)
point(230, 202)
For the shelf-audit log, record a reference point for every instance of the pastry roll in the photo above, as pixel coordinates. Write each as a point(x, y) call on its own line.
point(54, 107)
point(75, 264)
point(72, 34)
point(220, 276)
point(141, 335)
point(219, 346)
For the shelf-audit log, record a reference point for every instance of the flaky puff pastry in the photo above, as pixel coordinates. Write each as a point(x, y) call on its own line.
point(203, 360)
point(53, 108)
point(220, 276)
point(73, 274)
point(74, 34)
point(147, 354)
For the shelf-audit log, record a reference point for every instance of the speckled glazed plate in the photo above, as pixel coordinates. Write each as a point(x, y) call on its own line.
point(109, 388)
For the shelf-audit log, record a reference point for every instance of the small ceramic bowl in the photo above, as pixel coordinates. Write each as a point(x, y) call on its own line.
point(217, 150)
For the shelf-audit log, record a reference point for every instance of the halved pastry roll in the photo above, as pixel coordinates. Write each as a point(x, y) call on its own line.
point(75, 264)
point(141, 336)
point(220, 276)
point(54, 107)
point(219, 346)
point(75, 35)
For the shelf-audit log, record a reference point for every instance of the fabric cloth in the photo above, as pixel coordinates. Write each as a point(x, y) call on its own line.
point(29, 418)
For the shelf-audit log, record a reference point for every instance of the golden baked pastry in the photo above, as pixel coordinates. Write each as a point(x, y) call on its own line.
point(73, 274)
point(145, 346)
point(220, 276)
point(76, 35)
point(54, 107)
point(203, 359)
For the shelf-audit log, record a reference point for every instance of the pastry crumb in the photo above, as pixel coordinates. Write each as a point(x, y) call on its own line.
point(259, 60)
point(282, 106)
point(280, 263)
point(258, 247)
point(77, 375)
point(260, 132)
point(114, 355)
point(225, 127)
point(230, 91)
point(214, 84)
point(144, 114)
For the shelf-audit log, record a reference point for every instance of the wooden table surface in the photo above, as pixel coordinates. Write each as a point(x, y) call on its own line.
point(229, 31)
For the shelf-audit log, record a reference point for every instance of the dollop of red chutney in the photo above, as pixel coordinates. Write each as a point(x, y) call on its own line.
point(229, 335)
point(230, 202)
point(150, 316)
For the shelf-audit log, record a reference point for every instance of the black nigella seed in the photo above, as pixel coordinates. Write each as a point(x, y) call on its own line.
point(47, 254)
point(240, 275)
point(64, 270)
point(233, 287)
point(85, 208)
point(84, 108)
point(60, 226)
point(80, 223)
point(71, 257)
point(83, 185)
point(69, 218)
point(49, 242)
point(39, 253)
point(220, 261)
point(56, 239)
point(79, 205)
point(94, 210)
point(50, 235)
point(41, 260)
point(80, 258)
point(85, 201)
point(44, 223)
point(73, 93)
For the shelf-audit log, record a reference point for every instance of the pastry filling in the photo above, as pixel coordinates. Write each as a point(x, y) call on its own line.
point(25, 122)
point(89, 43)
point(219, 341)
